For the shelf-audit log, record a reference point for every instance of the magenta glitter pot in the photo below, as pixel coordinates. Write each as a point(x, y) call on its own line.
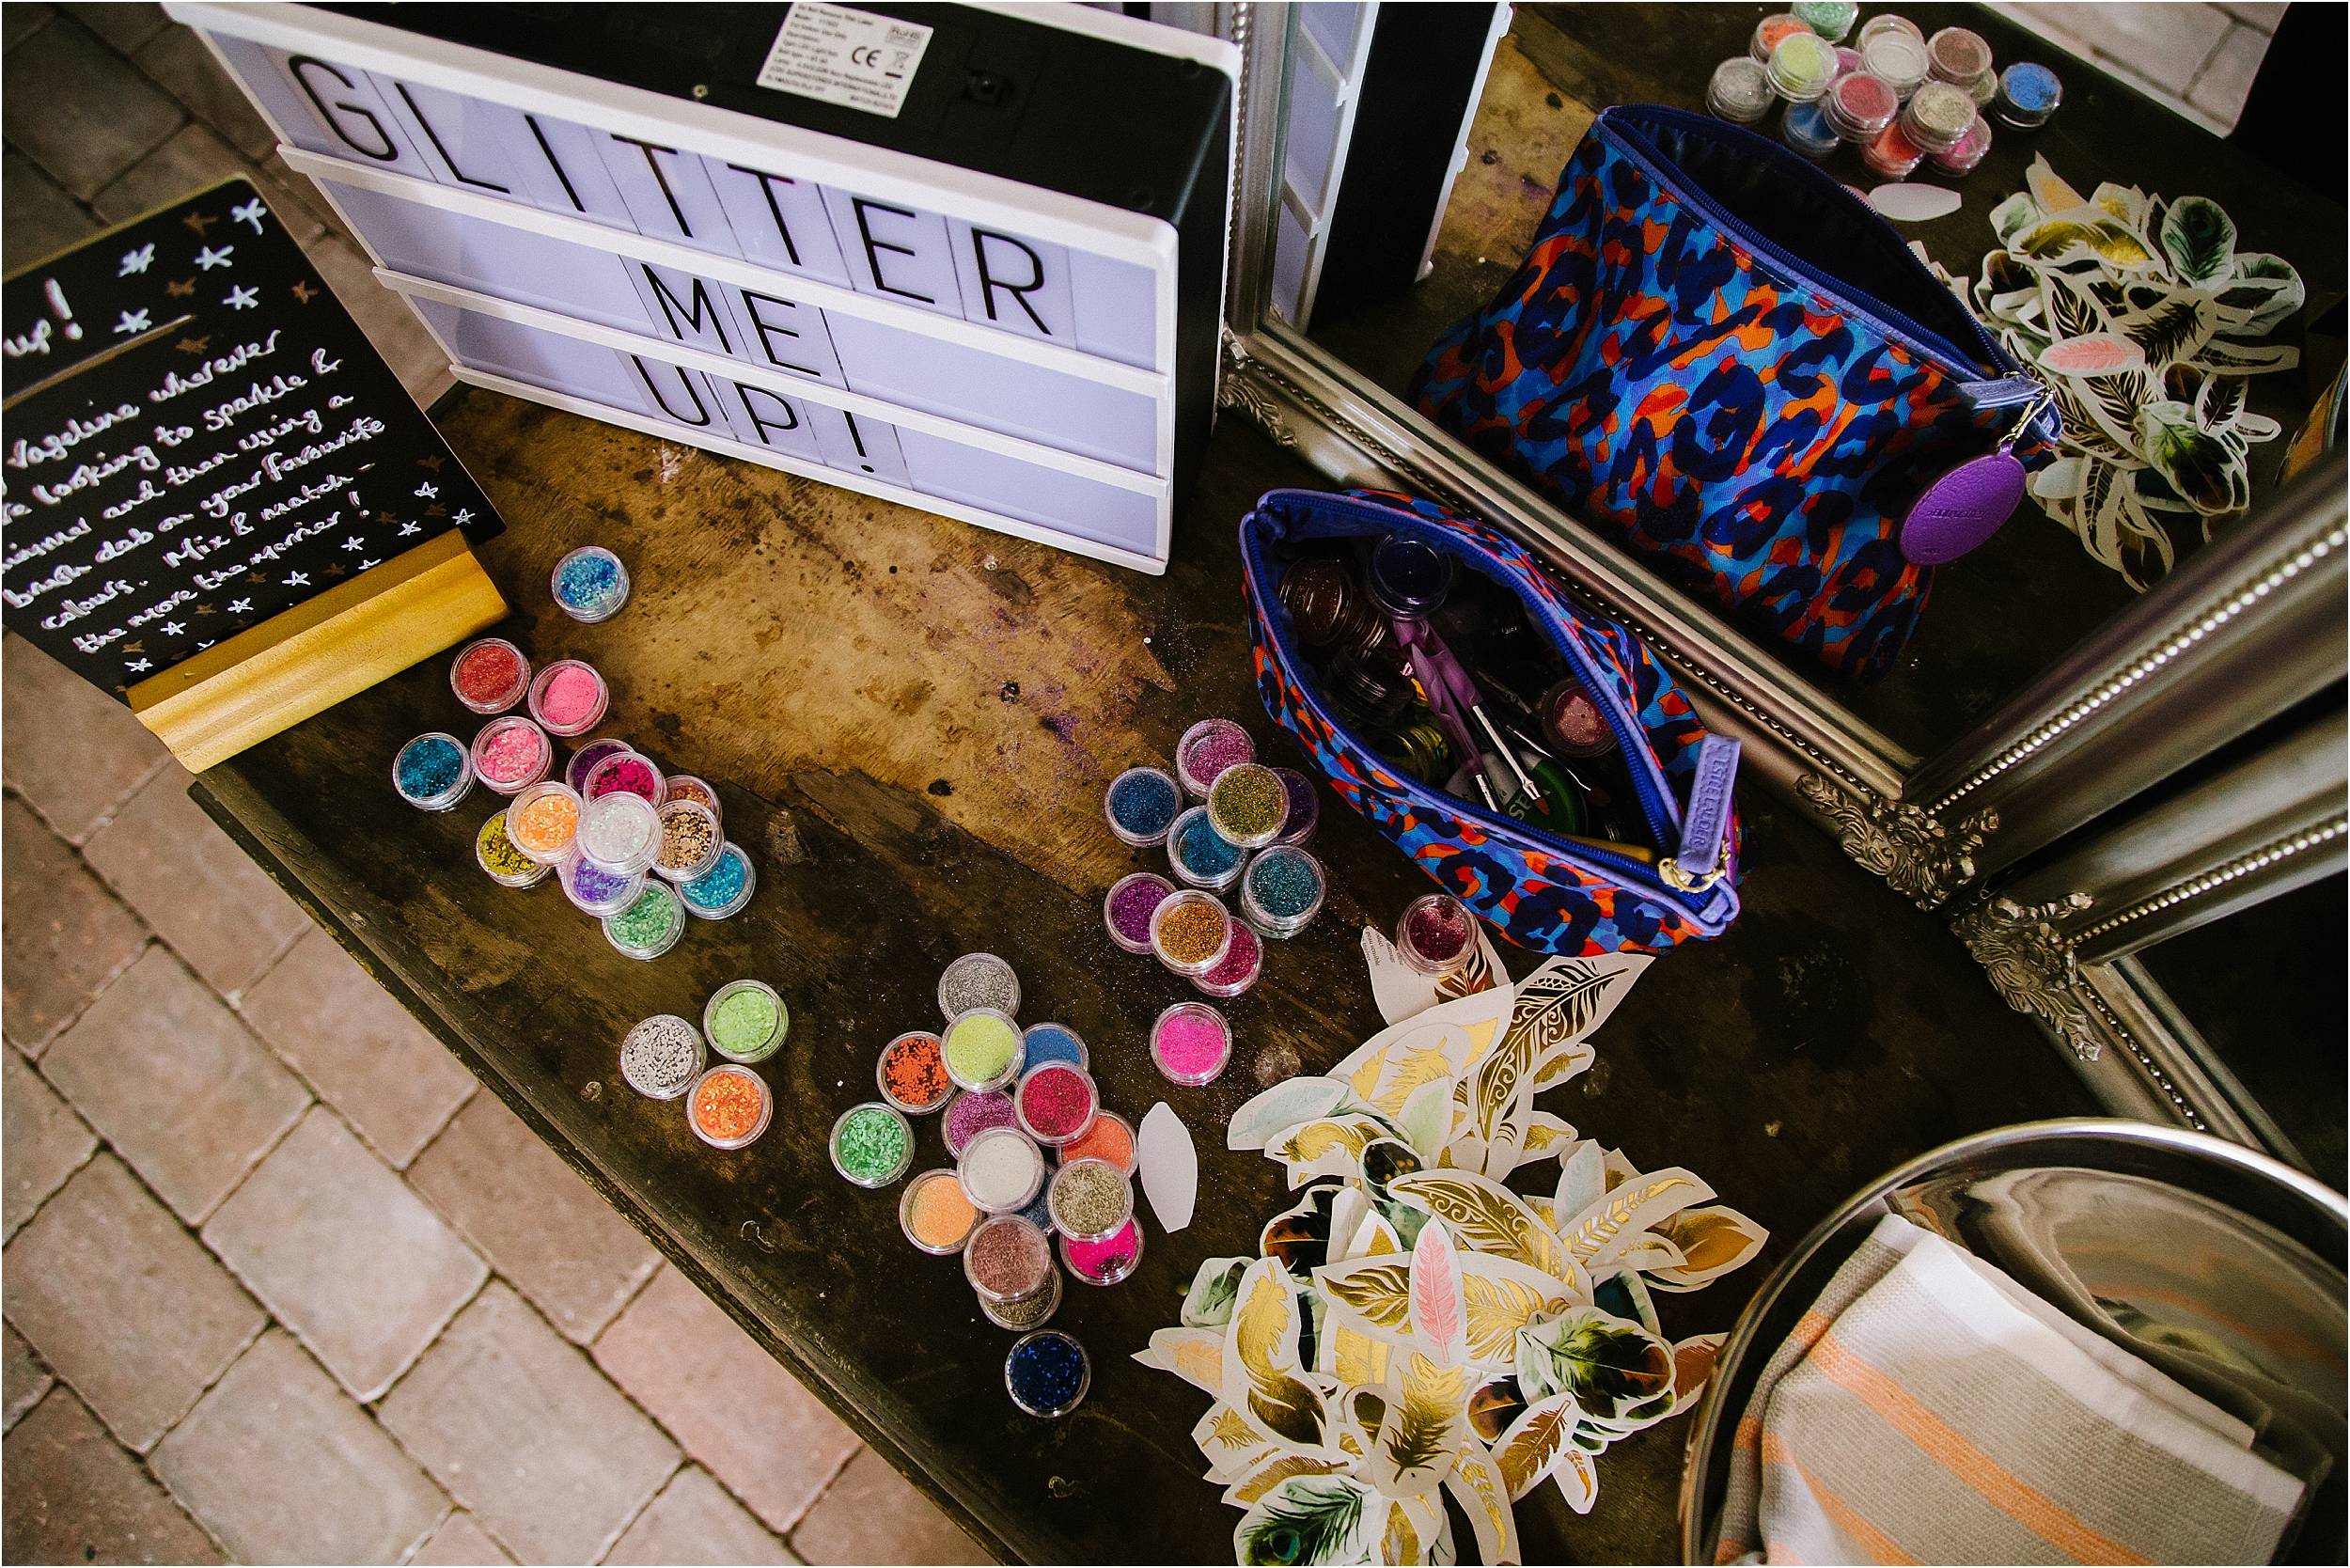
point(968, 1115)
point(596, 891)
point(1206, 750)
point(435, 771)
point(568, 697)
point(1961, 159)
point(1190, 1044)
point(1436, 933)
point(1243, 961)
point(511, 752)
point(1105, 1261)
point(1190, 932)
point(1304, 807)
point(490, 675)
point(1126, 909)
point(1055, 1103)
point(588, 756)
point(629, 770)
point(684, 786)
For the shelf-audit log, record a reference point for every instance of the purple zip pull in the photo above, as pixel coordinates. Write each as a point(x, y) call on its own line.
point(1966, 504)
point(1703, 854)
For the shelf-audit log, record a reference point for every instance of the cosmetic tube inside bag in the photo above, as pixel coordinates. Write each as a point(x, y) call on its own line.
point(1543, 891)
point(1718, 354)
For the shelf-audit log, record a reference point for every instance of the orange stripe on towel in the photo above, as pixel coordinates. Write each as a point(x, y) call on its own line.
point(1879, 1546)
point(1999, 1486)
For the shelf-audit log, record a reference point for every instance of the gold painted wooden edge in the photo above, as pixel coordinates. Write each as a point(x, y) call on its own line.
point(302, 661)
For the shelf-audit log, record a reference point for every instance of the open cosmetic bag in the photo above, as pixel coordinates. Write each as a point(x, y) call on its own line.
point(1541, 889)
point(1719, 355)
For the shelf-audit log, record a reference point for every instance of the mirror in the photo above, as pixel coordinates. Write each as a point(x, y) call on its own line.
point(1423, 147)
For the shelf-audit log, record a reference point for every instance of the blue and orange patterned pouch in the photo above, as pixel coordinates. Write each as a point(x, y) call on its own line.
point(1718, 354)
point(1541, 890)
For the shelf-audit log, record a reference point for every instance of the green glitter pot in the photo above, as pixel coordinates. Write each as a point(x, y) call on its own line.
point(501, 861)
point(983, 1050)
point(746, 1021)
point(1283, 891)
point(1089, 1200)
point(871, 1144)
point(651, 926)
point(1249, 804)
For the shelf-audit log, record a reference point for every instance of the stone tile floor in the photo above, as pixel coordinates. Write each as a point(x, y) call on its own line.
point(280, 1285)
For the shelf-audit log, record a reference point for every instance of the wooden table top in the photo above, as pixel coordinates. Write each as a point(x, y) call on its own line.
point(911, 723)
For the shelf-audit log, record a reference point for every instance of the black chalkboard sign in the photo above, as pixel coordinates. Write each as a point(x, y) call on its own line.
point(197, 436)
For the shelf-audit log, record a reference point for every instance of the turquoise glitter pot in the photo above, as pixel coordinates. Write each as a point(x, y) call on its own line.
point(723, 890)
point(589, 583)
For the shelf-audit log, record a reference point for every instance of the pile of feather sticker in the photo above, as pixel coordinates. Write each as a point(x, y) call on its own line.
point(1459, 1307)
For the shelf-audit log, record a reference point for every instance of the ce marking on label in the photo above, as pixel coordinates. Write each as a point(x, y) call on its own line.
point(869, 57)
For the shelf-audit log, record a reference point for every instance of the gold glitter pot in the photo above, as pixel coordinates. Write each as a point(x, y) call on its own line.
point(1249, 804)
point(1089, 1200)
point(1190, 932)
point(690, 841)
point(684, 786)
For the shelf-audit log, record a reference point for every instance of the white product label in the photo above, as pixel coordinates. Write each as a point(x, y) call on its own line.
point(849, 57)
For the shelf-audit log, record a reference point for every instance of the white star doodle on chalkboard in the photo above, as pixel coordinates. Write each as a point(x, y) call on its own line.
point(240, 606)
point(173, 629)
point(133, 322)
point(241, 297)
point(364, 565)
point(252, 212)
point(428, 490)
point(208, 258)
point(136, 261)
point(205, 644)
point(355, 544)
point(297, 579)
point(136, 663)
point(464, 515)
point(407, 528)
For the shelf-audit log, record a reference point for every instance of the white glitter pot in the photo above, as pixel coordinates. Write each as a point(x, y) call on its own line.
point(620, 832)
point(656, 1061)
point(1001, 1171)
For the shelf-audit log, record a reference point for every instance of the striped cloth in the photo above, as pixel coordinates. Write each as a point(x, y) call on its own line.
point(1929, 1409)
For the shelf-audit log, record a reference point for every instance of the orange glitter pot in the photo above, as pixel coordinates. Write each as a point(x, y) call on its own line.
point(729, 1107)
point(1109, 1139)
point(936, 1215)
point(543, 820)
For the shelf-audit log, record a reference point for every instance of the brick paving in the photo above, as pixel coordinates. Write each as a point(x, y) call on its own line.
point(280, 1284)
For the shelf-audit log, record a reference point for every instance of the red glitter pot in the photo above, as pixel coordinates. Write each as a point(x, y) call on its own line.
point(1438, 934)
point(1859, 107)
point(631, 771)
point(1055, 1103)
point(489, 674)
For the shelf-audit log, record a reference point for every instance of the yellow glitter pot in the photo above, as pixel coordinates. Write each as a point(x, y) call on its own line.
point(1249, 804)
point(500, 860)
point(1190, 932)
point(983, 1050)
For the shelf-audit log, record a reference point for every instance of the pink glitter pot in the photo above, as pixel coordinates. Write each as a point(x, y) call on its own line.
point(511, 752)
point(568, 696)
point(1243, 961)
point(1861, 106)
point(969, 1115)
point(1055, 1103)
point(630, 770)
point(1190, 1043)
point(1104, 1262)
point(1207, 749)
point(1128, 908)
point(1436, 934)
point(1962, 159)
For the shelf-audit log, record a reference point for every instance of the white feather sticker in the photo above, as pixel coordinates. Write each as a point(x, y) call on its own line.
point(1907, 203)
point(1170, 1165)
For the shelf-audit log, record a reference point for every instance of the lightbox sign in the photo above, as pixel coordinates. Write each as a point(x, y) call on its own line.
point(964, 257)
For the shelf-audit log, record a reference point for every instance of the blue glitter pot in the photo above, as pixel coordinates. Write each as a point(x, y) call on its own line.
point(1199, 855)
point(2028, 95)
point(1047, 1373)
point(589, 583)
point(1283, 891)
point(433, 771)
point(1055, 1042)
point(723, 888)
point(1139, 804)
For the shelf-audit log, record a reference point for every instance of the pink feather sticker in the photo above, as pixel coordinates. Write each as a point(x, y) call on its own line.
point(1438, 1321)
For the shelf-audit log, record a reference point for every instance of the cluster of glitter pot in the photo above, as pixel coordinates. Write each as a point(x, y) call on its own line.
point(634, 847)
point(1902, 98)
point(1038, 1162)
point(1244, 839)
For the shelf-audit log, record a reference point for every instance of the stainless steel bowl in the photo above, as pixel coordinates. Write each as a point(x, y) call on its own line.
point(2220, 1264)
